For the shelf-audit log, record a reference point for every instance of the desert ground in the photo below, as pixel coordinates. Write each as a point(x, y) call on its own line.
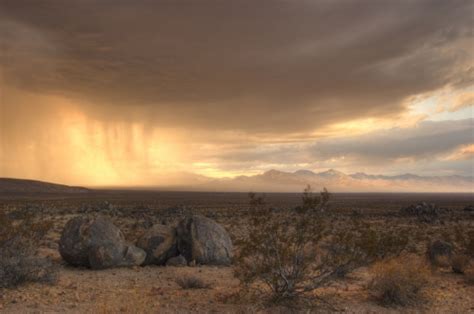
point(154, 289)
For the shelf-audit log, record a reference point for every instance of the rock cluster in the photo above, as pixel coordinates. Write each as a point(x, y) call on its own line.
point(97, 243)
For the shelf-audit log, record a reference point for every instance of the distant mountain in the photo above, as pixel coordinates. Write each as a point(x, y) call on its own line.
point(337, 181)
point(9, 185)
point(273, 181)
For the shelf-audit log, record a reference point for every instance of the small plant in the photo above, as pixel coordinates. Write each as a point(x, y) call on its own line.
point(192, 282)
point(18, 260)
point(399, 282)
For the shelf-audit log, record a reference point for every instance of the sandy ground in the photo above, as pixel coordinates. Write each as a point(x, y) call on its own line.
point(153, 289)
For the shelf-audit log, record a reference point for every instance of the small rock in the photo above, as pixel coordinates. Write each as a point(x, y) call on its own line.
point(178, 261)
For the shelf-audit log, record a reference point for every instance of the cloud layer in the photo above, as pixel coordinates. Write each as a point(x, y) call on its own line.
point(267, 66)
point(243, 84)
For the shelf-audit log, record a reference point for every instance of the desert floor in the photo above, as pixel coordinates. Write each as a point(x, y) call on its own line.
point(153, 289)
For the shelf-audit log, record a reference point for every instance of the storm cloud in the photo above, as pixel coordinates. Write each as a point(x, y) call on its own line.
point(256, 66)
point(239, 84)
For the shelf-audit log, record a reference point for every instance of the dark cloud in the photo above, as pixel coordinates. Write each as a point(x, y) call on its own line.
point(253, 66)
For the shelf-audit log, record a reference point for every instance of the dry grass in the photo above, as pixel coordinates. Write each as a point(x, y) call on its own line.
point(400, 282)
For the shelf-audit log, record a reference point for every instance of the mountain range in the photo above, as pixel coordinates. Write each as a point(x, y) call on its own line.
point(276, 181)
point(337, 181)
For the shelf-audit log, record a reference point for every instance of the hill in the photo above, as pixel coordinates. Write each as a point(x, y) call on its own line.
point(10, 185)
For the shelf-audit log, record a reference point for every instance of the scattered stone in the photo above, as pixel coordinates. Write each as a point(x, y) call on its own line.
point(178, 261)
point(205, 241)
point(159, 243)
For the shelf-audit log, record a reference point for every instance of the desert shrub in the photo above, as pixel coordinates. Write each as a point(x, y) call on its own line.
point(439, 252)
point(469, 276)
point(359, 244)
point(312, 201)
point(353, 243)
point(464, 239)
point(282, 257)
point(192, 282)
point(289, 253)
point(399, 282)
point(459, 263)
point(18, 260)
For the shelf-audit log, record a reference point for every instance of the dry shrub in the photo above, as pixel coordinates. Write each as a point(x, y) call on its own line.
point(192, 282)
point(464, 239)
point(283, 258)
point(357, 244)
point(470, 276)
point(289, 253)
point(400, 282)
point(460, 263)
point(439, 253)
point(18, 260)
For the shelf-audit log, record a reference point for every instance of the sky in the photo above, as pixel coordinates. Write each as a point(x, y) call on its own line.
point(145, 92)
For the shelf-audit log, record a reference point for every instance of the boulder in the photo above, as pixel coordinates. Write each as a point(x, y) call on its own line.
point(469, 208)
point(177, 261)
point(159, 243)
point(204, 241)
point(96, 243)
